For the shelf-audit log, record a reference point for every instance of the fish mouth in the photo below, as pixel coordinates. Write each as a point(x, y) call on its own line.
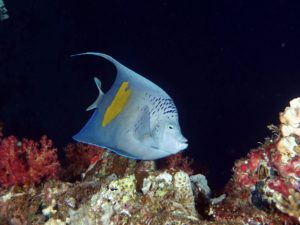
point(180, 146)
point(183, 145)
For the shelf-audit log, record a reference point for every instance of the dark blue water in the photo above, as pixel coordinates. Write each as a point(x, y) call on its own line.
point(230, 67)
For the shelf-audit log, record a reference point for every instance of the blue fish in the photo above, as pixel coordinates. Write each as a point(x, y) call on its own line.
point(135, 118)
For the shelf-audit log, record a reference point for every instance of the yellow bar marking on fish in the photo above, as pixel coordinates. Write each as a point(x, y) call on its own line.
point(117, 105)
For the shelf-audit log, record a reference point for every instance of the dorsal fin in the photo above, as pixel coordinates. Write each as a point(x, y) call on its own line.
point(122, 71)
point(95, 104)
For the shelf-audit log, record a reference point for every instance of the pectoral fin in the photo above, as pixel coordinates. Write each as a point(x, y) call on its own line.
point(143, 129)
point(142, 125)
point(95, 103)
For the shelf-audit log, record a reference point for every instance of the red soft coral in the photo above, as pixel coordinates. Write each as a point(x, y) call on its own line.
point(27, 161)
point(179, 162)
point(78, 157)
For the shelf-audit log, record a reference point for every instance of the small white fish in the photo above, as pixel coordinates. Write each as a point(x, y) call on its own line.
point(135, 118)
point(3, 11)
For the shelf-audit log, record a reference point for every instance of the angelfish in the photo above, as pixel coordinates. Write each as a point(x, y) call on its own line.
point(135, 118)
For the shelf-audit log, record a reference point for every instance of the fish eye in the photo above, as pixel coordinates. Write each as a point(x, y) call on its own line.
point(171, 127)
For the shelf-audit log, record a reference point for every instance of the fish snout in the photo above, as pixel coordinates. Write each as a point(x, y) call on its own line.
point(183, 139)
point(183, 143)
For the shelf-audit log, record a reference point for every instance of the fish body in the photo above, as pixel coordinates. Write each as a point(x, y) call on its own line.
point(135, 118)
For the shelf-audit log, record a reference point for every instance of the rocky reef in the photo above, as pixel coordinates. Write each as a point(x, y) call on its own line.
point(94, 186)
point(112, 190)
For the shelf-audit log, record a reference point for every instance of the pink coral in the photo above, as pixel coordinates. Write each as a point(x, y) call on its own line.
point(264, 164)
point(246, 170)
point(27, 161)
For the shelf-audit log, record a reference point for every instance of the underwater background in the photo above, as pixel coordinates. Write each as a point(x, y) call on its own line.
point(229, 66)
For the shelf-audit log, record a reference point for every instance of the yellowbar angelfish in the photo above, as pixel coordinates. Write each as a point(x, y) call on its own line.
point(135, 118)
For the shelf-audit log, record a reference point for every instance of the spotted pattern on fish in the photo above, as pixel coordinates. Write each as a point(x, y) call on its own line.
point(162, 105)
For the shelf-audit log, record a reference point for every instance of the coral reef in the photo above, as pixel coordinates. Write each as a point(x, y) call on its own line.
point(177, 162)
point(269, 178)
point(114, 190)
point(27, 161)
point(99, 187)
